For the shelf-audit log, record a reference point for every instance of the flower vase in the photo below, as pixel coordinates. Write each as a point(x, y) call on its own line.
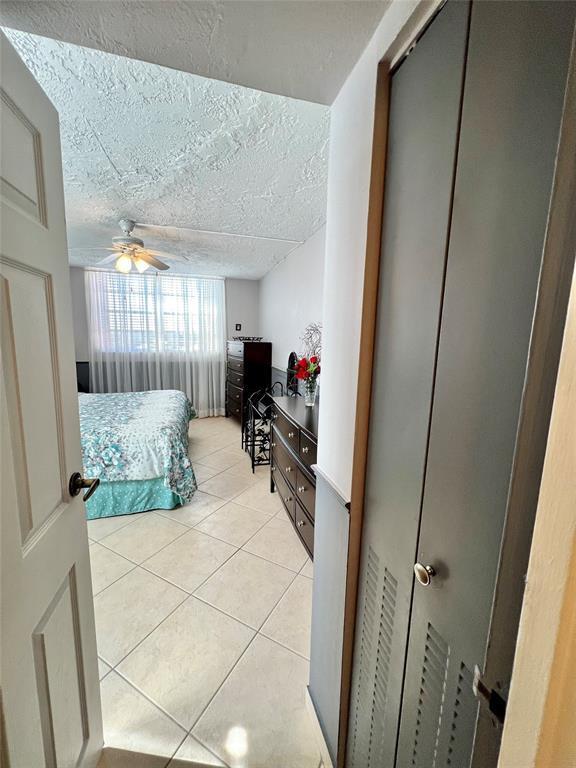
point(310, 390)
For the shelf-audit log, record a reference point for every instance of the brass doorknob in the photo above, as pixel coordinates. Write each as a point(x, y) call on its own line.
point(424, 574)
point(77, 482)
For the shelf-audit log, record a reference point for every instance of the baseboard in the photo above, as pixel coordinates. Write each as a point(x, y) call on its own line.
point(318, 733)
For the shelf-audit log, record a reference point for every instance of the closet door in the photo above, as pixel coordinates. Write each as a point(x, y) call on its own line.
point(425, 103)
point(515, 76)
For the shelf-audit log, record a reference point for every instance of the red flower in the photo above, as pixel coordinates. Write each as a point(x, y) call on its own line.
point(313, 359)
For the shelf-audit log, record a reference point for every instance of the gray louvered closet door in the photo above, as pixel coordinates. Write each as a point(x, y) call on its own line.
point(517, 64)
point(474, 120)
point(423, 129)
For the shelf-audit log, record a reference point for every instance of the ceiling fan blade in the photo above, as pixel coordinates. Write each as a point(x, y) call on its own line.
point(152, 260)
point(173, 256)
point(108, 259)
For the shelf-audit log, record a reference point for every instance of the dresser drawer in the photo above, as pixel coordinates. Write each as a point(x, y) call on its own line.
point(235, 364)
point(305, 527)
point(307, 449)
point(235, 378)
point(235, 348)
point(234, 408)
point(305, 492)
point(287, 429)
point(285, 492)
point(282, 459)
point(233, 394)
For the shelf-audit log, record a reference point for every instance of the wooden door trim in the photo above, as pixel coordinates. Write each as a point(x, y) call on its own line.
point(364, 397)
point(402, 45)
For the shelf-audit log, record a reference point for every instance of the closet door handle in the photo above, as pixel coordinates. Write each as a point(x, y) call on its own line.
point(424, 574)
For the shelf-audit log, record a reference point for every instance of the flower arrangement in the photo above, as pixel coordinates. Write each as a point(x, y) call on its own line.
point(308, 366)
point(308, 370)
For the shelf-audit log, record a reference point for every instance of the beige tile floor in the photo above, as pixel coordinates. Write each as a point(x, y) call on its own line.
point(203, 622)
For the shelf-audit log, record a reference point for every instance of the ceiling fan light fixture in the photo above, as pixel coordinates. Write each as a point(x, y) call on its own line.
point(123, 264)
point(140, 264)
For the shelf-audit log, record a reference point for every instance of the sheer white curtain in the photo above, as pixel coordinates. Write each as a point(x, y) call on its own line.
point(155, 331)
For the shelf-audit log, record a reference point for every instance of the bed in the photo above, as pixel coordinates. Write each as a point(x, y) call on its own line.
point(137, 444)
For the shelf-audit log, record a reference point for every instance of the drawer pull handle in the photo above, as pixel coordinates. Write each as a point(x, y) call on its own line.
point(288, 469)
point(273, 445)
point(290, 435)
point(272, 469)
point(300, 523)
point(301, 488)
point(288, 499)
point(305, 449)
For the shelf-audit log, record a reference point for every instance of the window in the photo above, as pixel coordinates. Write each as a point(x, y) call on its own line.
point(156, 314)
point(157, 331)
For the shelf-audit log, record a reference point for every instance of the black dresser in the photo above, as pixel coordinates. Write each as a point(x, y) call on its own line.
point(249, 369)
point(294, 443)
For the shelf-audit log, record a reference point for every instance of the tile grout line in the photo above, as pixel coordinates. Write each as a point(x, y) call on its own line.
point(232, 668)
point(115, 666)
point(254, 629)
point(157, 551)
point(155, 704)
point(188, 595)
point(134, 566)
point(256, 634)
point(142, 565)
point(132, 519)
point(285, 647)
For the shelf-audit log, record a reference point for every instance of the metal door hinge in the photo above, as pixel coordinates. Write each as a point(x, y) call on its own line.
point(496, 704)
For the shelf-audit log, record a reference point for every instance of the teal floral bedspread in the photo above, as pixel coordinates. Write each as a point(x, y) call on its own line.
point(138, 436)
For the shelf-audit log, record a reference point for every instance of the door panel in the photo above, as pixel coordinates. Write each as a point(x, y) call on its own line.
point(37, 421)
point(50, 692)
point(423, 130)
point(516, 72)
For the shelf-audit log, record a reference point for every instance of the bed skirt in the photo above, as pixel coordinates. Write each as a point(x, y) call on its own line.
point(126, 497)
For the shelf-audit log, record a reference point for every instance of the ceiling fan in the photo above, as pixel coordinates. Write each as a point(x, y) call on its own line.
point(129, 251)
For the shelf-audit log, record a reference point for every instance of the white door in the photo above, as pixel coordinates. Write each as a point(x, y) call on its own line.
point(49, 676)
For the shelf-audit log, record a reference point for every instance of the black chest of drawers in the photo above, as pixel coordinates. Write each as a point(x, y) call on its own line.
point(249, 369)
point(294, 443)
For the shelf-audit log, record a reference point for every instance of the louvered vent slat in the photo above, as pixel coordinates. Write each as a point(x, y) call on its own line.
point(372, 666)
point(363, 670)
point(464, 714)
point(429, 716)
point(382, 668)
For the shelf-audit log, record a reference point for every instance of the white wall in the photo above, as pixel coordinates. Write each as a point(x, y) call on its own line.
point(291, 297)
point(351, 128)
point(79, 314)
point(242, 302)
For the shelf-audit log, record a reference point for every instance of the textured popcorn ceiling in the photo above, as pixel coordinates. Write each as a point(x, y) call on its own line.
point(182, 153)
point(299, 48)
